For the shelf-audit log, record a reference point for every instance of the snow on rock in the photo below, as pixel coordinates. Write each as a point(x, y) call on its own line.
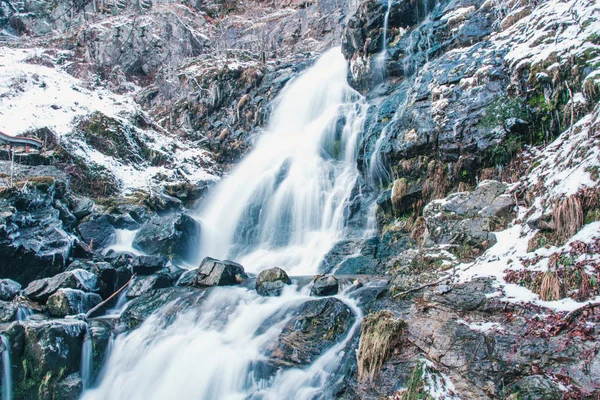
point(37, 92)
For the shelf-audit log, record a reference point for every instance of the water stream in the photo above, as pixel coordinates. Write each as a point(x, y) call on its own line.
point(6, 369)
point(284, 205)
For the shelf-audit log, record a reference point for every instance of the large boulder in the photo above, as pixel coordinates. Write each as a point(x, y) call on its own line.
point(71, 302)
point(146, 265)
point(271, 282)
point(33, 241)
point(9, 289)
point(318, 325)
point(43, 353)
point(214, 272)
point(42, 289)
point(175, 236)
point(69, 388)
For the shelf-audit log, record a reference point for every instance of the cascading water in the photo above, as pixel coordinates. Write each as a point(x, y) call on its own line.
point(86, 360)
point(6, 369)
point(283, 205)
point(124, 242)
point(381, 57)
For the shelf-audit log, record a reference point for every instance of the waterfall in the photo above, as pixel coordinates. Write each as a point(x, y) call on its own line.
point(283, 205)
point(381, 57)
point(86, 359)
point(6, 369)
point(124, 242)
point(23, 312)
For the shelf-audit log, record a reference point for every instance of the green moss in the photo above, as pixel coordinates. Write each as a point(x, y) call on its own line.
point(415, 387)
point(500, 110)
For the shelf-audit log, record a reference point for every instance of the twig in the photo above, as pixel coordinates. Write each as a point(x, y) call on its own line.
point(568, 319)
point(89, 313)
point(421, 287)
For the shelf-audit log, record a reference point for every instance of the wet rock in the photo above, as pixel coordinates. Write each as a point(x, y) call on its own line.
point(33, 242)
point(42, 289)
point(44, 351)
point(9, 289)
point(325, 286)
point(102, 331)
point(104, 271)
point(175, 236)
point(146, 265)
point(69, 388)
point(187, 278)
point(536, 387)
point(214, 272)
point(8, 311)
point(71, 302)
point(271, 282)
point(162, 203)
point(176, 299)
point(97, 231)
point(319, 324)
point(81, 207)
point(144, 284)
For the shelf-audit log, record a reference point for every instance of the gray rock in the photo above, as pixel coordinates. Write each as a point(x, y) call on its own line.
point(8, 311)
point(71, 302)
point(104, 271)
point(144, 284)
point(175, 236)
point(9, 289)
point(69, 388)
point(319, 324)
point(140, 308)
point(187, 278)
point(97, 231)
point(146, 265)
point(536, 387)
point(81, 207)
point(325, 286)
point(42, 289)
point(214, 272)
point(271, 282)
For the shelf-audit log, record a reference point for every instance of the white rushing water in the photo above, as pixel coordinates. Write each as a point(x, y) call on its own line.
point(86, 360)
point(283, 205)
point(124, 242)
point(6, 370)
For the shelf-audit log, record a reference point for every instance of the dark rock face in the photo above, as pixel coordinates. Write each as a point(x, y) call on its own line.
point(33, 241)
point(319, 324)
point(9, 289)
point(97, 231)
point(325, 286)
point(48, 350)
point(271, 282)
point(80, 279)
point(175, 236)
point(71, 302)
point(214, 272)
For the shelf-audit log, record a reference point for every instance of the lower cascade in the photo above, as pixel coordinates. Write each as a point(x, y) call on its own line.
point(283, 206)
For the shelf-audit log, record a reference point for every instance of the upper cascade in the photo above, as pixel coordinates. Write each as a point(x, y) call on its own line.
point(284, 204)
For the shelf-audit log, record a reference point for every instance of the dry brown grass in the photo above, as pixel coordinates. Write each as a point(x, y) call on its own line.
point(381, 333)
point(550, 287)
point(567, 217)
